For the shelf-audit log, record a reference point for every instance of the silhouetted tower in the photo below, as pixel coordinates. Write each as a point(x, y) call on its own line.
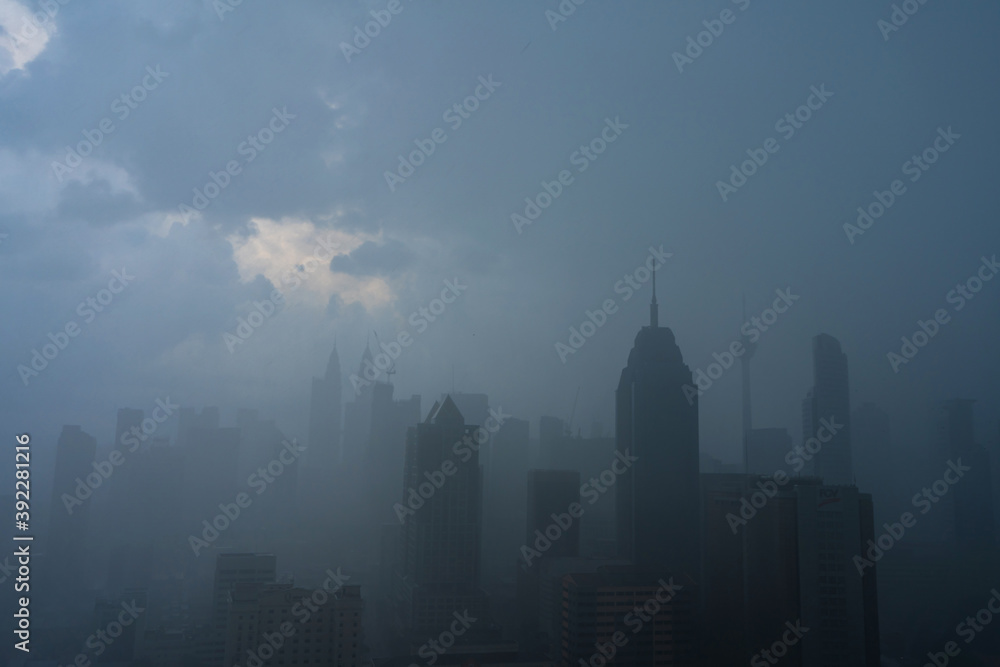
point(655, 422)
point(829, 400)
point(324, 418)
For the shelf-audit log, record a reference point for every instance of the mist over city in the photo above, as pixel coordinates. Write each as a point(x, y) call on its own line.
point(549, 333)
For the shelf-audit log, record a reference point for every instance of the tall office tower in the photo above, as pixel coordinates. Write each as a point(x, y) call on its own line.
point(550, 430)
point(212, 456)
point(751, 583)
point(121, 492)
point(829, 400)
point(792, 560)
point(242, 568)
point(590, 457)
point(128, 418)
point(972, 502)
point(68, 521)
point(839, 606)
point(440, 560)
point(504, 499)
point(550, 495)
point(279, 624)
point(875, 462)
point(655, 423)
point(262, 444)
point(749, 348)
point(766, 449)
point(386, 451)
point(232, 570)
point(358, 414)
point(654, 616)
point(324, 420)
point(552, 531)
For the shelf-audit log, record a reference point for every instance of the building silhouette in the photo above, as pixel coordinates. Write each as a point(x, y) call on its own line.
point(325, 408)
point(440, 542)
point(656, 423)
point(829, 399)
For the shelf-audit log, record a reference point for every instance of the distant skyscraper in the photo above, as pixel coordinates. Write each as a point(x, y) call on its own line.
point(653, 616)
point(68, 523)
point(212, 457)
point(440, 560)
point(972, 503)
point(550, 430)
point(590, 457)
point(329, 633)
point(840, 608)
point(386, 450)
point(829, 400)
point(504, 499)
point(876, 466)
point(358, 416)
point(792, 560)
point(654, 421)
point(552, 492)
point(234, 569)
point(324, 419)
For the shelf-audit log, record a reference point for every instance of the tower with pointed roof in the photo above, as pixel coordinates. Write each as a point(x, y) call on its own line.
point(324, 418)
point(658, 497)
point(441, 514)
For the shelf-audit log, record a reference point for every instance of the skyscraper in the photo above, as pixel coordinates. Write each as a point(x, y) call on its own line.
point(658, 523)
point(324, 419)
point(440, 559)
point(75, 451)
point(358, 415)
point(972, 503)
point(829, 399)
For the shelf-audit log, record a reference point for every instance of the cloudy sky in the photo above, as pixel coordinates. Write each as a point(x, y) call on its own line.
point(161, 95)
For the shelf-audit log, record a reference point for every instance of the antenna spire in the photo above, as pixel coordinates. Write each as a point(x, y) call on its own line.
point(654, 309)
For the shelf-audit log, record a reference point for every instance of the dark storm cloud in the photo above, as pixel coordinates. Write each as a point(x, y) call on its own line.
point(657, 184)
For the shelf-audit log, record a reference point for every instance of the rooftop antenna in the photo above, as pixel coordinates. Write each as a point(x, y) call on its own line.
point(654, 309)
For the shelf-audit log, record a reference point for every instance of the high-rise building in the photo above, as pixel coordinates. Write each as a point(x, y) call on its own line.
point(440, 542)
point(550, 494)
point(234, 569)
point(656, 423)
point(787, 558)
point(590, 457)
point(212, 457)
point(504, 500)
point(358, 415)
point(972, 503)
point(324, 420)
point(69, 517)
point(640, 620)
point(876, 464)
point(386, 450)
point(550, 431)
point(829, 400)
point(837, 604)
point(279, 624)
